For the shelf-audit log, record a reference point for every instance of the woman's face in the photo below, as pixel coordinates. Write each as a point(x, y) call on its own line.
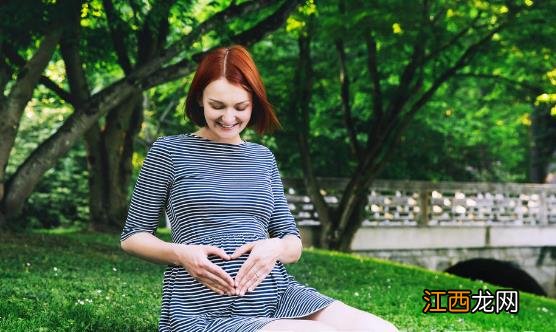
point(227, 110)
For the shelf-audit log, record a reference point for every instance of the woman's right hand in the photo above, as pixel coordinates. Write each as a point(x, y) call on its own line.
point(194, 258)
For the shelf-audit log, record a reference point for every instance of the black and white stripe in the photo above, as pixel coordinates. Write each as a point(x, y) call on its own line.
point(224, 195)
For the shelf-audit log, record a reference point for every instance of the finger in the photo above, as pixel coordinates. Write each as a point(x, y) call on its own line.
point(212, 250)
point(214, 287)
point(248, 279)
point(207, 282)
point(220, 276)
point(253, 282)
point(223, 290)
point(241, 250)
point(240, 276)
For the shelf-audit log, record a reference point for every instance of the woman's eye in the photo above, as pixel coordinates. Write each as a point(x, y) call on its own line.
point(219, 107)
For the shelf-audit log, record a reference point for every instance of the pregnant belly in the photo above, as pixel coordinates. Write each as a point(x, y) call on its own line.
point(191, 297)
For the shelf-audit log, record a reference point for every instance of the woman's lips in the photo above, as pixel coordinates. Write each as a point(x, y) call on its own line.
point(226, 127)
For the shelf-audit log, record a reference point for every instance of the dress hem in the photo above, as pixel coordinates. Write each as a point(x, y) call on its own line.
point(271, 319)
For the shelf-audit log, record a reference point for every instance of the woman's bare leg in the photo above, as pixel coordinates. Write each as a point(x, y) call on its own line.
point(343, 317)
point(297, 325)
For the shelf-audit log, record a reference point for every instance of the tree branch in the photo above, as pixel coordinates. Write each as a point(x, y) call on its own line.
point(117, 34)
point(17, 60)
point(58, 90)
point(453, 41)
point(344, 91)
point(346, 107)
point(186, 66)
point(535, 89)
point(151, 37)
point(137, 77)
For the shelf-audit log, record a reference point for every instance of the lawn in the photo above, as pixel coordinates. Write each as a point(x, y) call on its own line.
point(77, 281)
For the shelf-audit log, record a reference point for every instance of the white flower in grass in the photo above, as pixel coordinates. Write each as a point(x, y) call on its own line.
point(55, 268)
point(99, 291)
point(356, 293)
point(28, 264)
point(114, 269)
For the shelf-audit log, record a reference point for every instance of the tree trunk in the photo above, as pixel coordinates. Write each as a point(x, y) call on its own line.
point(330, 236)
point(355, 220)
point(110, 163)
point(542, 138)
point(12, 107)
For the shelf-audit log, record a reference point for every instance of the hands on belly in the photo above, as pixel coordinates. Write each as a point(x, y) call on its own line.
point(260, 262)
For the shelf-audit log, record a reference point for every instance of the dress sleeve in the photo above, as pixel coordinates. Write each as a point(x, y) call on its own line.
point(281, 221)
point(150, 192)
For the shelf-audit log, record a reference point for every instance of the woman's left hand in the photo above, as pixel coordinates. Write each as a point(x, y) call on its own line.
point(263, 257)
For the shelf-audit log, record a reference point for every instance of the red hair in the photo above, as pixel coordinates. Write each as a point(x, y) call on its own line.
point(235, 64)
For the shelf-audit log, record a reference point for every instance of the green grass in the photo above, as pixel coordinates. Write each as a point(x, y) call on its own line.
point(76, 281)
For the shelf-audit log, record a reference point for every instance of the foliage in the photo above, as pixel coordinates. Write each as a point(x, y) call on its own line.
point(475, 128)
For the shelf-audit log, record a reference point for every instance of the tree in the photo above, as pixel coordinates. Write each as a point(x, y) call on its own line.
point(412, 50)
point(155, 65)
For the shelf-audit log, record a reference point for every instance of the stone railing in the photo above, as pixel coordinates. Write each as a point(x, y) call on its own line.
point(444, 203)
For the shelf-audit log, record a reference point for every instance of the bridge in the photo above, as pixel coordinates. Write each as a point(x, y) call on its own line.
point(499, 233)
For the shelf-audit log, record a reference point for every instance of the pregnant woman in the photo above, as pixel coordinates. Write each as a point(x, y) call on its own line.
point(232, 231)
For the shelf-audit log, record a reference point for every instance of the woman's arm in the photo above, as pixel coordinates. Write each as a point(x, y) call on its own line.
point(192, 257)
point(291, 249)
point(151, 248)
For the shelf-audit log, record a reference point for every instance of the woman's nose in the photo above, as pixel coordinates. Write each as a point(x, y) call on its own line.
point(229, 115)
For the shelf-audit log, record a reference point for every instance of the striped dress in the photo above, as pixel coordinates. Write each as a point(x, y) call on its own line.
point(224, 195)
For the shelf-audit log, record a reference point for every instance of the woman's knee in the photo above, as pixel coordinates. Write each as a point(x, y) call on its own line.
point(343, 317)
point(297, 325)
point(375, 323)
point(365, 321)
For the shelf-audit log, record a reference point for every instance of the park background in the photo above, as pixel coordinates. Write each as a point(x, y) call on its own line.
point(367, 91)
